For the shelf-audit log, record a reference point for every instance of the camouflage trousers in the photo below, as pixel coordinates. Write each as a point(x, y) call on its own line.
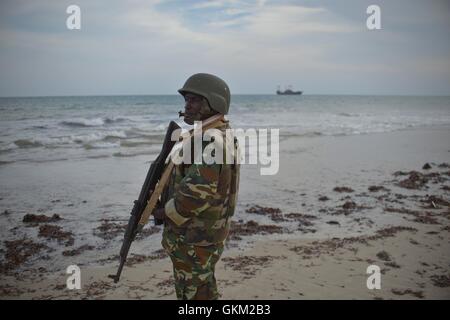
point(193, 269)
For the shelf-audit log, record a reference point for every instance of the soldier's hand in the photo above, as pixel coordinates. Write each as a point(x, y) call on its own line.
point(160, 214)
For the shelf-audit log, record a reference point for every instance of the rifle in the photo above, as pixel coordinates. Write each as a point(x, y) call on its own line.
point(153, 176)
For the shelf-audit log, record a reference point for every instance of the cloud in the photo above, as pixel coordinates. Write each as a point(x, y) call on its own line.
point(143, 39)
point(209, 4)
point(288, 21)
point(235, 11)
point(156, 41)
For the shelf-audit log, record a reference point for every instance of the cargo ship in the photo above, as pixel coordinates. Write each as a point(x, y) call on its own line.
point(288, 91)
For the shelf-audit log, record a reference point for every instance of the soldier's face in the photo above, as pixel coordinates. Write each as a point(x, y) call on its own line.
point(195, 108)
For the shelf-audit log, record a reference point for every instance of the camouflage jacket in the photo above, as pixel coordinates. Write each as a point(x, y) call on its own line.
point(202, 197)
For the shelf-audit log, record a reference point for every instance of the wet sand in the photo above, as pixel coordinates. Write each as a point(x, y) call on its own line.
point(337, 206)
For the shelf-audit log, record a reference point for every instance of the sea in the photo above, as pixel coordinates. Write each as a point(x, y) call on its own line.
point(43, 129)
point(85, 157)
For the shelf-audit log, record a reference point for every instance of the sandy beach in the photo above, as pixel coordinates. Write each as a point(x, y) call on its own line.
point(337, 206)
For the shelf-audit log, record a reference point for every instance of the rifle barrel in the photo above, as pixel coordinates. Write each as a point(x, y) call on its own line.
point(153, 175)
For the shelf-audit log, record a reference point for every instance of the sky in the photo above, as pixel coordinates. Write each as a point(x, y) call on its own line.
point(152, 47)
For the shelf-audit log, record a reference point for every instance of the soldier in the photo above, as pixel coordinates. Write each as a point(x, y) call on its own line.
point(201, 197)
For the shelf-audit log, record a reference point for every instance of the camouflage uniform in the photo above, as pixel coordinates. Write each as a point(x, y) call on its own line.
point(202, 199)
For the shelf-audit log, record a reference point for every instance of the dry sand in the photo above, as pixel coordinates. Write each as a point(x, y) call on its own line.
point(284, 269)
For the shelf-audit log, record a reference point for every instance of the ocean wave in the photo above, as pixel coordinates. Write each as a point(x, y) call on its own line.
point(345, 114)
point(8, 148)
point(152, 127)
point(110, 120)
point(124, 154)
point(132, 144)
point(94, 140)
point(298, 134)
point(45, 160)
point(100, 145)
point(145, 133)
point(83, 122)
point(26, 143)
point(94, 122)
point(114, 136)
point(106, 136)
point(98, 156)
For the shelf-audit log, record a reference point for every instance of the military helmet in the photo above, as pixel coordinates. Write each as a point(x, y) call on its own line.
point(214, 89)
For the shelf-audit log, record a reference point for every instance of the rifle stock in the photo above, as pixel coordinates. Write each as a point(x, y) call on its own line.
point(153, 175)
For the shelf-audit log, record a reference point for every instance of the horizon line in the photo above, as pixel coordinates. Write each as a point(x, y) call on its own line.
point(235, 94)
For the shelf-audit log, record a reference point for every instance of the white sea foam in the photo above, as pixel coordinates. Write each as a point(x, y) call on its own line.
point(83, 122)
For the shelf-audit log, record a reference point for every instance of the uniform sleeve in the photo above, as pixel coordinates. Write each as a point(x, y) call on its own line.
point(195, 194)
